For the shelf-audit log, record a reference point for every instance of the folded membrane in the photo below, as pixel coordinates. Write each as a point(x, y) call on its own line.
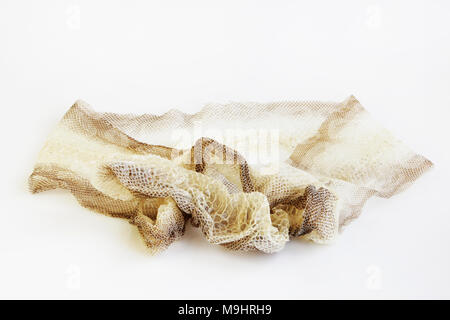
point(331, 157)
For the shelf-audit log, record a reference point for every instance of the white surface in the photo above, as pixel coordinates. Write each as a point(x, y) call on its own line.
point(148, 57)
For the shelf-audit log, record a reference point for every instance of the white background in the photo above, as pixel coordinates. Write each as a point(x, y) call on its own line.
point(150, 56)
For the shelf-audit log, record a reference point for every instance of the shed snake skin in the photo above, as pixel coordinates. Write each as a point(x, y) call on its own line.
point(323, 160)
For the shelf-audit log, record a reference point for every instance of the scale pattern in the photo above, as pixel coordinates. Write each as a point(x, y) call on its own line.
point(331, 157)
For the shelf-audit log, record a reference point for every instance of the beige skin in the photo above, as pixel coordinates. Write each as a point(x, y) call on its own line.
point(332, 158)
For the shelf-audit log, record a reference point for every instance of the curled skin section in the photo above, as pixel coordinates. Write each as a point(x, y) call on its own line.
point(251, 178)
point(240, 221)
point(159, 224)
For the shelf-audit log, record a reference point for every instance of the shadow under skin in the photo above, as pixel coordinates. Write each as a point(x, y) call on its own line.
point(191, 243)
point(193, 239)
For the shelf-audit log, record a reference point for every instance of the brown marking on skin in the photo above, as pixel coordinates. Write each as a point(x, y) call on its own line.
point(338, 119)
point(50, 177)
point(90, 123)
point(199, 157)
point(318, 214)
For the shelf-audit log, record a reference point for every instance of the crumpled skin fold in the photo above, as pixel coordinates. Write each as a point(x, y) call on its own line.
point(159, 172)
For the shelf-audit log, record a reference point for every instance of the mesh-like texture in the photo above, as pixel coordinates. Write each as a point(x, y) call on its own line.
point(326, 160)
